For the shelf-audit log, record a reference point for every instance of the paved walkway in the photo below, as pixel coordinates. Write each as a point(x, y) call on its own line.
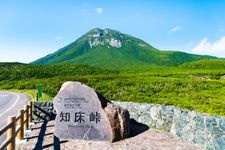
point(42, 137)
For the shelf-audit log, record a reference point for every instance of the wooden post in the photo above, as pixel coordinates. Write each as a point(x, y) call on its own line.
point(37, 97)
point(30, 113)
point(25, 117)
point(11, 133)
point(20, 123)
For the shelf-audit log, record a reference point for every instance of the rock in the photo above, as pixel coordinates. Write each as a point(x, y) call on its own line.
point(219, 141)
point(119, 119)
point(166, 118)
point(84, 114)
point(212, 125)
point(222, 124)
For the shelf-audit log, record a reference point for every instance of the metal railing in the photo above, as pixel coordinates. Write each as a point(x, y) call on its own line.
point(16, 126)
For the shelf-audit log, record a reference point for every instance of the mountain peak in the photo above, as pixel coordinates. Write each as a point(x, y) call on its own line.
point(104, 37)
point(106, 30)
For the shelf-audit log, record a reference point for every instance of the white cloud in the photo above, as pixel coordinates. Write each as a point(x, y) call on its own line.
point(58, 38)
point(216, 48)
point(99, 10)
point(175, 29)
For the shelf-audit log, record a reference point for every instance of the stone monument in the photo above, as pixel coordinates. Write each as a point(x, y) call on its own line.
point(84, 114)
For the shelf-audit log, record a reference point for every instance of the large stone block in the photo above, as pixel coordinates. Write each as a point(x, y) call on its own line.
point(84, 114)
point(119, 119)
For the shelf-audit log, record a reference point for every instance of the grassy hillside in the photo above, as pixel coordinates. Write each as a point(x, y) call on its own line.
point(205, 64)
point(196, 89)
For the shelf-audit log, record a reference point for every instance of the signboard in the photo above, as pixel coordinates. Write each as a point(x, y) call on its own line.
point(39, 88)
point(80, 114)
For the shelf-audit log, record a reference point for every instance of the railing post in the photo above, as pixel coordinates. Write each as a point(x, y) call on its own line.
point(20, 123)
point(11, 133)
point(30, 113)
point(25, 117)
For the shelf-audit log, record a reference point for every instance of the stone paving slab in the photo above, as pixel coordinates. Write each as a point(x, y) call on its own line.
point(42, 137)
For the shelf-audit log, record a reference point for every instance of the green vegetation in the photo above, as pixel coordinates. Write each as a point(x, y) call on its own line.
point(196, 88)
point(15, 71)
point(205, 64)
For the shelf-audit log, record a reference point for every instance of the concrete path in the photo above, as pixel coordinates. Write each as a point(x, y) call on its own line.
point(42, 137)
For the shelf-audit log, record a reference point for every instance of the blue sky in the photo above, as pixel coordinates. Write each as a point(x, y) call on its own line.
point(31, 29)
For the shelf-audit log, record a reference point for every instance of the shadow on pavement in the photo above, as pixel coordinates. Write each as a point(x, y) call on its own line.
point(40, 138)
point(137, 128)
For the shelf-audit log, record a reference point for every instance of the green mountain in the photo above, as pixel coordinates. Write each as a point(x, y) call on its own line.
point(112, 48)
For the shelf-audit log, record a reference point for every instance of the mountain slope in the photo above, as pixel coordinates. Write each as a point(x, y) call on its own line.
point(112, 48)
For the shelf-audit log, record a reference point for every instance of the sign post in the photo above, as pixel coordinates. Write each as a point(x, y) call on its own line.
point(39, 93)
